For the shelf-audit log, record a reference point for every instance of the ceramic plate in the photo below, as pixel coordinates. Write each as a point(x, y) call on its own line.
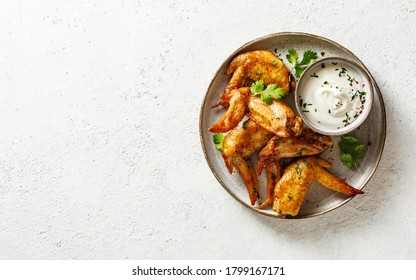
point(319, 200)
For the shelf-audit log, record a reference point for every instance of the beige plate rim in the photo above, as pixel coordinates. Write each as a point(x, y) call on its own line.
point(383, 111)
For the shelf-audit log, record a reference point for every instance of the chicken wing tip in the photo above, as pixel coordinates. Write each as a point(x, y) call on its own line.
point(357, 191)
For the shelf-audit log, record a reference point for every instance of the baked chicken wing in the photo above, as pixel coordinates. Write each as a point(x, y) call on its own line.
point(238, 146)
point(307, 144)
point(292, 187)
point(238, 100)
point(258, 65)
point(278, 117)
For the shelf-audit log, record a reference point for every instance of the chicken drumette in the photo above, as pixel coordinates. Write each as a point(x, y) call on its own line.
point(278, 118)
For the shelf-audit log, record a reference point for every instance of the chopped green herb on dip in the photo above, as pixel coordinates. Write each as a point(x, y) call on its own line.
point(338, 93)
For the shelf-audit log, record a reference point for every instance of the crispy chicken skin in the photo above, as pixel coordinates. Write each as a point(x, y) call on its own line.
point(278, 117)
point(334, 183)
point(258, 65)
point(238, 146)
point(238, 100)
point(307, 144)
point(292, 187)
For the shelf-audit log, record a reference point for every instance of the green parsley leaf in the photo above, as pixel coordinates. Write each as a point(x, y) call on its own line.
point(348, 144)
point(348, 161)
point(352, 150)
point(299, 70)
point(218, 140)
point(267, 95)
point(292, 57)
point(308, 58)
point(359, 151)
point(350, 140)
point(266, 98)
point(257, 87)
point(275, 92)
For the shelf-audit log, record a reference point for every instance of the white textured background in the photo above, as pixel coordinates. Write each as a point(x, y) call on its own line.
point(99, 147)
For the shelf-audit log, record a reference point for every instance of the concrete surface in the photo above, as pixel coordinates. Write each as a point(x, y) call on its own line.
point(99, 148)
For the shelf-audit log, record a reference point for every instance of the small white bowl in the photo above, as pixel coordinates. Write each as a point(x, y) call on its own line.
point(317, 66)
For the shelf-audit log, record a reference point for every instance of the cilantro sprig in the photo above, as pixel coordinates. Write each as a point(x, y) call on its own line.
point(298, 67)
point(218, 140)
point(267, 94)
point(351, 151)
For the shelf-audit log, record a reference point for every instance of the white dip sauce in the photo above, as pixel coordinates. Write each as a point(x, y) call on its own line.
point(333, 96)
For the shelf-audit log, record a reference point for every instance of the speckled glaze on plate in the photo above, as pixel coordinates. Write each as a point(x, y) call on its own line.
point(319, 200)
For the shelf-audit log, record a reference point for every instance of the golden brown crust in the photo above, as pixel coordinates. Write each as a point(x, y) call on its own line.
point(238, 146)
point(258, 65)
point(278, 117)
point(334, 183)
point(307, 144)
point(291, 189)
point(238, 100)
point(297, 177)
